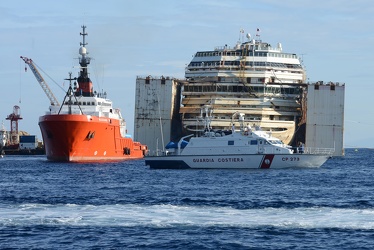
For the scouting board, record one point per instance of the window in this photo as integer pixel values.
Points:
(253, 142)
(230, 143)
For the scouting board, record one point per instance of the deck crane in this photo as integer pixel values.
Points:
(40, 79)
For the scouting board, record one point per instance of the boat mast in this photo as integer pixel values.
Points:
(70, 94)
(85, 86)
(84, 60)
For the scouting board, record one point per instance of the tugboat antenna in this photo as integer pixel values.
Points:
(70, 79)
(84, 34)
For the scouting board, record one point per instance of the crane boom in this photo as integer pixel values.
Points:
(40, 79)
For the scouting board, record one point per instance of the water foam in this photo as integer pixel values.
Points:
(170, 215)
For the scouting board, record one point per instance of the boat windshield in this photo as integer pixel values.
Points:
(275, 142)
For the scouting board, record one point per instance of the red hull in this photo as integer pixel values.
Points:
(84, 138)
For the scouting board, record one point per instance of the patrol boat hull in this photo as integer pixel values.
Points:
(236, 161)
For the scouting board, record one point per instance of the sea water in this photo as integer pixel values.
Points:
(126, 205)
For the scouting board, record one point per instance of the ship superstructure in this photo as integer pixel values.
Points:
(254, 78)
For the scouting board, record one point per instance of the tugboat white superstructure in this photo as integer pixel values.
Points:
(247, 148)
(259, 80)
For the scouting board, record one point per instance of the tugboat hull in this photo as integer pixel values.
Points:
(76, 138)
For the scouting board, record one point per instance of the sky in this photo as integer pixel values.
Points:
(126, 39)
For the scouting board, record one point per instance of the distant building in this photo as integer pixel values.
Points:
(28, 142)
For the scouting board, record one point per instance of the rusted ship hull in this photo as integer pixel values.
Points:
(86, 138)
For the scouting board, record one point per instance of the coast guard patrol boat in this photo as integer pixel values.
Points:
(244, 148)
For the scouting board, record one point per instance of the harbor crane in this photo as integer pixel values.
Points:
(41, 81)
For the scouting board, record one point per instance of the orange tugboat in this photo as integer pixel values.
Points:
(85, 127)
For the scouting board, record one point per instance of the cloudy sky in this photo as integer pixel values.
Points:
(127, 39)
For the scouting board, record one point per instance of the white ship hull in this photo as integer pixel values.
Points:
(237, 161)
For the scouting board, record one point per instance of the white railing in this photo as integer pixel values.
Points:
(323, 151)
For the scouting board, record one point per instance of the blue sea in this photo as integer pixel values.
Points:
(126, 205)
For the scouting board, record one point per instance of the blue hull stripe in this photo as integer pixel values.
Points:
(161, 164)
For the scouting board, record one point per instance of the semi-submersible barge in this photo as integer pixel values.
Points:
(262, 82)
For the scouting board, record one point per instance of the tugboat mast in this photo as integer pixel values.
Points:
(84, 82)
(84, 60)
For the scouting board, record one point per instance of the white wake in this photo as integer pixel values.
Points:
(169, 216)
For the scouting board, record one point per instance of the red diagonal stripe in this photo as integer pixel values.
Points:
(266, 161)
